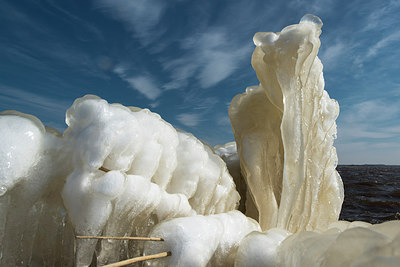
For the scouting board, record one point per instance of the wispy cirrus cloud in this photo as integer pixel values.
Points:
(381, 44)
(357, 131)
(14, 97)
(315, 6)
(45, 107)
(223, 120)
(189, 119)
(366, 133)
(379, 23)
(372, 111)
(144, 83)
(332, 54)
(383, 15)
(210, 57)
(140, 16)
(370, 120)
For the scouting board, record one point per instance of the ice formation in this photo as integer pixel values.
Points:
(228, 153)
(123, 171)
(284, 129)
(342, 244)
(33, 225)
(155, 173)
(201, 240)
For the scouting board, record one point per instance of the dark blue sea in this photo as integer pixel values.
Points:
(372, 193)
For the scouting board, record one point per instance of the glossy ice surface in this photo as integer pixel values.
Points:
(284, 129)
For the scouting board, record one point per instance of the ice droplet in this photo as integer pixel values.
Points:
(313, 19)
(3, 190)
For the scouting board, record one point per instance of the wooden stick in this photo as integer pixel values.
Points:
(121, 238)
(137, 259)
(104, 169)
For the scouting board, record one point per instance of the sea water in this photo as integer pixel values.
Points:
(372, 193)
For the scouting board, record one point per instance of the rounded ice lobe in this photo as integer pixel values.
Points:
(265, 38)
(309, 18)
(201, 240)
(22, 137)
(110, 184)
(260, 249)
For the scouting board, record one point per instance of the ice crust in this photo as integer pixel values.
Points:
(123, 171)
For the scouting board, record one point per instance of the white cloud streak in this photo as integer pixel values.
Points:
(372, 111)
(210, 58)
(370, 120)
(223, 120)
(189, 119)
(144, 84)
(384, 15)
(315, 6)
(332, 54)
(140, 16)
(51, 111)
(15, 97)
(381, 44)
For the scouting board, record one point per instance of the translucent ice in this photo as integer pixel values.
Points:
(228, 153)
(284, 129)
(22, 143)
(34, 227)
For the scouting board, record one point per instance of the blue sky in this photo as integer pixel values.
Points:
(186, 60)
